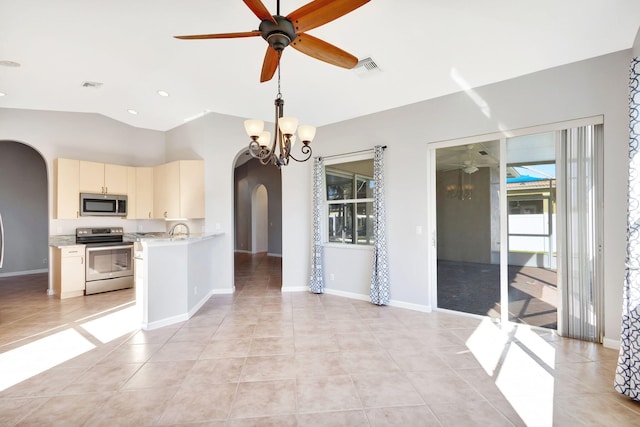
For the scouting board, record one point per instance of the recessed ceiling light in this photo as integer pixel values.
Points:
(2, 94)
(93, 85)
(163, 93)
(5, 63)
(134, 112)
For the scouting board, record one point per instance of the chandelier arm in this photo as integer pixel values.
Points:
(306, 149)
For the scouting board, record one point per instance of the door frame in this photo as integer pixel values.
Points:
(432, 247)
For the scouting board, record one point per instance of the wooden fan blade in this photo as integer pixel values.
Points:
(220, 36)
(319, 12)
(260, 10)
(323, 51)
(269, 65)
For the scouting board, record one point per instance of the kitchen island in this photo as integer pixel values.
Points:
(175, 276)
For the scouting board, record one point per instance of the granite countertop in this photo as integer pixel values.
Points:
(63, 240)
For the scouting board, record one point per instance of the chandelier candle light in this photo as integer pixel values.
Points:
(279, 152)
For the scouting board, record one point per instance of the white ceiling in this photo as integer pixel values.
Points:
(424, 49)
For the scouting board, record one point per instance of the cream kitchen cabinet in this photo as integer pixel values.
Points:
(140, 192)
(69, 271)
(66, 178)
(131, 193)
(178, 189)
(102, 178)
(144, 193)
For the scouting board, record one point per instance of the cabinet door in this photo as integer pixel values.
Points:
(132, 213)
(192, 189)
(144, 193)
(91, 177)
(72, 274)
(166, 190)
(66, 184)
(115, 179)
(69, 271)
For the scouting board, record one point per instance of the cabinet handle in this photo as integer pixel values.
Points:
(106, 190)
(165, 214)
(81, 260)
(149, 214)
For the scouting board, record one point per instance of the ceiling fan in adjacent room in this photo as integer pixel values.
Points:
(282, 31)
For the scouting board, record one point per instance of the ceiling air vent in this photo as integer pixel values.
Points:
(366, 67)
(93, 85)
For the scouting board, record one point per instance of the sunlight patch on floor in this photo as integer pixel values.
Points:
(515, 356)
(34, 358)
(114, 325)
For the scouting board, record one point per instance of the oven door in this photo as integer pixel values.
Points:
(109, 262)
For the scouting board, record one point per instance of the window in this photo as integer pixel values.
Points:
(350, 202)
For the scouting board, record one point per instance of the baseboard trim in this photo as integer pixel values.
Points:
(351, 295)
(612, 344)
(411, 306)
(24, 273)
(165, 322)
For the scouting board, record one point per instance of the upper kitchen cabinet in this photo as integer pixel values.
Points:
(102, 178)
(178, 189)
(143, 193)
(66, 175)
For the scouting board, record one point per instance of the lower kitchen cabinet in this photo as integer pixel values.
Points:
(69, 265)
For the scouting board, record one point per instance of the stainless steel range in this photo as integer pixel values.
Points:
(109, 259)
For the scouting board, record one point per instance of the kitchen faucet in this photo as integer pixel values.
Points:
(173, 229)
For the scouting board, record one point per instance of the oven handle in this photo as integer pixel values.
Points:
(102, 248)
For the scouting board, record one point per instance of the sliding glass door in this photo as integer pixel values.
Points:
(516, 230)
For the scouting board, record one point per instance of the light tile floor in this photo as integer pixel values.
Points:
(264, 358)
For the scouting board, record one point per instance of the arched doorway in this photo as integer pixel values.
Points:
(257, 223)
(24, 210)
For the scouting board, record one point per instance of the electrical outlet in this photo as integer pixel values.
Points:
(45, 260)
(195, 290)
(332, 277)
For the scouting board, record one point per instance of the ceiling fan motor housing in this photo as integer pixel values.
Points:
(278, 35)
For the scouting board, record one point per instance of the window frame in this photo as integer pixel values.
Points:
(329, 168)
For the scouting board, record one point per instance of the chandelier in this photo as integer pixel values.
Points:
(278, 152)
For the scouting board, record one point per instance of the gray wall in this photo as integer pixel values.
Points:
(247, 177)
(464, 226)
(23, 206)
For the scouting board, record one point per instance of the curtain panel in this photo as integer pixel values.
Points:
(316, 284)
(380, 290)
(627, 379)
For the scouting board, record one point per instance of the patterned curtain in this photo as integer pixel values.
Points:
(380, 292)
(316, 284)
(627, 380)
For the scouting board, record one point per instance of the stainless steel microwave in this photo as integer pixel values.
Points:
(103, 204)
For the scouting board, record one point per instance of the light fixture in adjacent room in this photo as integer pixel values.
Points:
(163, 93)
(2, 94)
(278, 152)
(134, 112)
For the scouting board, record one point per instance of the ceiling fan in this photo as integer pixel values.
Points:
(281, 31)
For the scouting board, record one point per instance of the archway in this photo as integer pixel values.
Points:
(24, 210)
